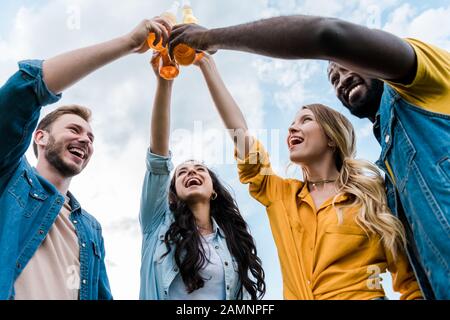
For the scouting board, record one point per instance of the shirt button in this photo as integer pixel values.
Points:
(83, 245)
(387, 138)
(226, 263)
(165, 292)
(176, 269)
(217, 247)
(41, 231)
(228, 287)
(309, 282)
(84, 281)
(18, 265)
(75, 221)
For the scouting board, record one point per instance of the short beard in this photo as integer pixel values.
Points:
(369, 106)
(53, 153)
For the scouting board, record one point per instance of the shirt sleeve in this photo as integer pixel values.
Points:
(155, 192)
(403, 278)
(430, 88)
(255, 170)
(21, 99)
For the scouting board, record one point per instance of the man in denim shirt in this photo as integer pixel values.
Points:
(50, 248)
(410, 109)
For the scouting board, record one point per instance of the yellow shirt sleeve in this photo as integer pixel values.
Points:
(264, 185)
(430, 88)
(403, 278)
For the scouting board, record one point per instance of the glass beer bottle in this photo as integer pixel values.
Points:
(183, 54)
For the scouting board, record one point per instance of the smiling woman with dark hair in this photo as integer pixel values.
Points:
(196, 245)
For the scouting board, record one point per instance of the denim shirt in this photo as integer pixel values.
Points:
(157, 272)
(415, 147)
(29, 204)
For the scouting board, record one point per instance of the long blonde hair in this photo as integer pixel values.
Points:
(360, 180)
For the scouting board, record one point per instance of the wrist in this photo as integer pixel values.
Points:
(206, 63)
(206, 40)
(128, 43)
(164, 84)
(209, 40)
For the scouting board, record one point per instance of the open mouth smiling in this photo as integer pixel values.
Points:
(352, 89)
(78, 152)
(193, 181)
(294, 141)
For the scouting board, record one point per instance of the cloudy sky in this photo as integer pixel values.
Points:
(269, 91)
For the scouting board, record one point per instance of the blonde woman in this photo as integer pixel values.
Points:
(333, 230)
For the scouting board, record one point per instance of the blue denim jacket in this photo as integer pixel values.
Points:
(157, 272)
(415, 143)
(29, 204)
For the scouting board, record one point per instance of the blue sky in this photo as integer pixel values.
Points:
(269, 92)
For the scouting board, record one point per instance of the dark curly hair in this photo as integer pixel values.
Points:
(185, 238)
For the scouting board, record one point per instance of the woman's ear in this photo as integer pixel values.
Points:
(331, 143)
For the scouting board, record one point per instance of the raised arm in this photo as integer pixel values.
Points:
(66, 69)
(372, 52)
(226, 106)
(160, 122)
(253, 161)
(155, 189)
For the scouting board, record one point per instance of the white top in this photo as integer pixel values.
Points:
(212, 273)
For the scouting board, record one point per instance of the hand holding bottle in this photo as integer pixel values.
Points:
(170, 17)
(192, 35)
(158, 26)
(182, 53)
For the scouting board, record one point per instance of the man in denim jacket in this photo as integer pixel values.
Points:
(410, 109)
(50, 248)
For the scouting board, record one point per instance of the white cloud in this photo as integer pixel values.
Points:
(289, 80)
(400, 19)
(430, 26)
(292, 98)
(365, 131)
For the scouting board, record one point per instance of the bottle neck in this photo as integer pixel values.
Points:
(188, 15)
(171, 17)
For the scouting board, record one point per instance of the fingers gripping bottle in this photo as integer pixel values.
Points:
(182, 53)
(171, 16)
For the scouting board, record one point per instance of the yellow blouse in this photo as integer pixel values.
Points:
(320, 258)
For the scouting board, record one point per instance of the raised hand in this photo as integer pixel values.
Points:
(191, 34)
(161, 27)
